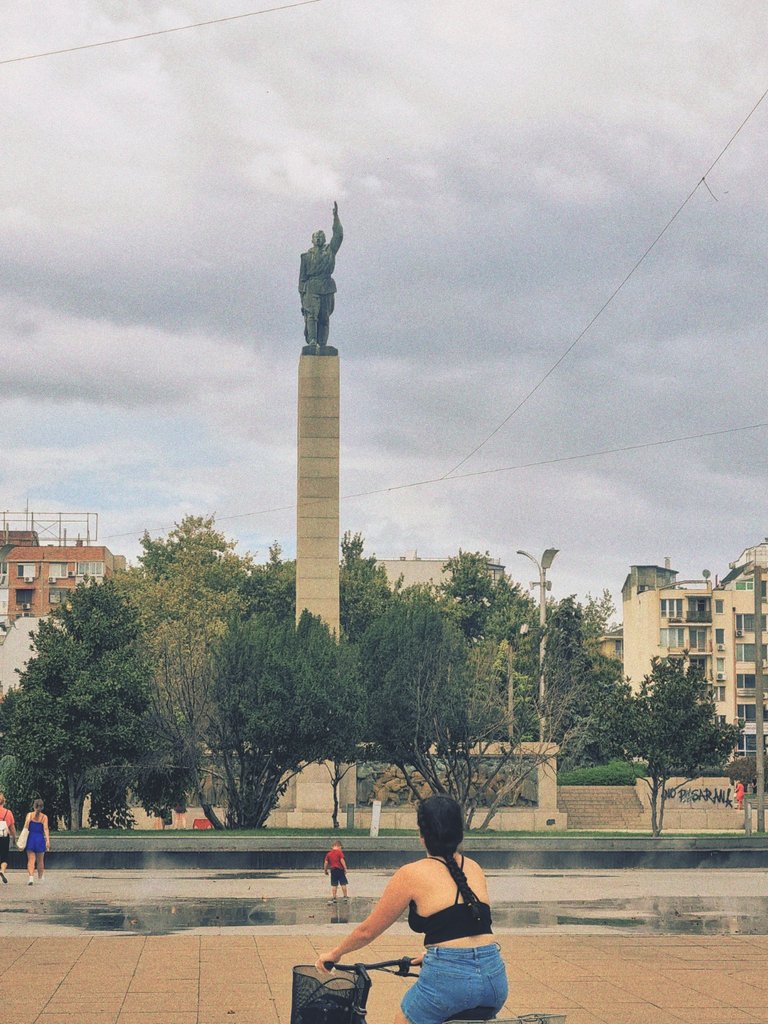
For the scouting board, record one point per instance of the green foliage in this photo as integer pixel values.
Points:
(82, 697)
(186, 588)
(671, 724)
(270, 589)
(271, 709)
(363, 588)
(584, 685)
(441, 710)
(614, 773)
(468, 592)
(110, 802)
(742, 769)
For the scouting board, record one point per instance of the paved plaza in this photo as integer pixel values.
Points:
(59, 970)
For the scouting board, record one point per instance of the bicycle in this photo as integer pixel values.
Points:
(343, 1000)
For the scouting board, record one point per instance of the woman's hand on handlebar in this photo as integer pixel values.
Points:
(323, 959)
(416, 961)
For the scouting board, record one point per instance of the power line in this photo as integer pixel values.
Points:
(612, 296)
(484, 472)
(157, 32)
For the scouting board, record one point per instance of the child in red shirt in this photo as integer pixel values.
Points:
(334, 861)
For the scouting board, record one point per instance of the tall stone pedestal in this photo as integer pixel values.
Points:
(317, 524)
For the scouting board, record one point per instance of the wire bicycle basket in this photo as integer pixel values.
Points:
(319, 999)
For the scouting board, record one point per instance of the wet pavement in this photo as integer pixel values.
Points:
(631, 902)
(201, 947)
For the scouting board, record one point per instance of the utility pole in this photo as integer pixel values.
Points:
(759, 693)
(546, 561)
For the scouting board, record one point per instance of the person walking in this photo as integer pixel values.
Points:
(38, 843)
(7, 833)
(337, 865)
(740, 795)
(447, 899)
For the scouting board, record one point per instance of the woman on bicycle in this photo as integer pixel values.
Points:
(447, 897)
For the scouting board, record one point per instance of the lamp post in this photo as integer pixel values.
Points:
(757, 571)
(546, 561)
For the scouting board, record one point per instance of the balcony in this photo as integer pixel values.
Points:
(702, 617)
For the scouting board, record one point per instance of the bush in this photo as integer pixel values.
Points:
(615, 773)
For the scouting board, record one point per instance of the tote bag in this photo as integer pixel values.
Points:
(21, 842)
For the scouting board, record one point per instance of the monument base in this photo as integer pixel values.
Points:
(319, 350)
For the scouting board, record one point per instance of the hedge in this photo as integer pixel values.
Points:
(615, 773)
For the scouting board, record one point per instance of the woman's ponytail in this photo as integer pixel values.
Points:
(441, 825)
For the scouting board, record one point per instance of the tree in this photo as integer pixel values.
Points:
(363, 588)
(671, 724)
(583, 683)
(80, 708)
(271, 588)
(441, 712)
(186, 588)
(468, 592)
(265, 725)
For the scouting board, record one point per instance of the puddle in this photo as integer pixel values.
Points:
(673, 915)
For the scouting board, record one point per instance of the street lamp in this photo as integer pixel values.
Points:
(544, 585)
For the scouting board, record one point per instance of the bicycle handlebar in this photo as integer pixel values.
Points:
(403, 966)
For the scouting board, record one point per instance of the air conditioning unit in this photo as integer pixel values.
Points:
(739, 632)
(26, 607)
(721, 677)
(29, 579)
(721, 647)
(70, 575)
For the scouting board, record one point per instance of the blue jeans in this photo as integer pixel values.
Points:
(453, 979)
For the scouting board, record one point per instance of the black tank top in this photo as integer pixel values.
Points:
(454, 922)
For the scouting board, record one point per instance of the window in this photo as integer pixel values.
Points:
(24, 596)
(25, 570)
(697, 663)
(56, 595)
(747, 743)
(718, 692)
(57, 570)
(719, 636)
(745, 584)
(720, 666)
(745, 680)
(719, 607)
(673, 636)
(697, 639)
(90, 568)
(671, 607)
(699, 609)
(746, 712)
(745, 652)
(745, 623)
(720, 719)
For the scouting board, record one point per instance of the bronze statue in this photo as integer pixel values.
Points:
(316, 286)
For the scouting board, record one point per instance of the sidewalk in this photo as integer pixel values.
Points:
(232, 979)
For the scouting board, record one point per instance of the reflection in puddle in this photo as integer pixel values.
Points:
(665, 915)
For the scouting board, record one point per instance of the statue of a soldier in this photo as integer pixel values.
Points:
(316, 286)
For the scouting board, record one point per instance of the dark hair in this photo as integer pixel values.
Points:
(441, 824)
(38, 806)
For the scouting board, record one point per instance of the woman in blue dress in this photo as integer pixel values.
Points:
(38, 842)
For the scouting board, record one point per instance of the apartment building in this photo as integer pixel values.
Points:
(39, 577)
(710, 623)
(412, 569)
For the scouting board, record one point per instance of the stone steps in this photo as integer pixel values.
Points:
(596, 807)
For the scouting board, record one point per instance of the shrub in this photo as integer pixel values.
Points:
(615, 773)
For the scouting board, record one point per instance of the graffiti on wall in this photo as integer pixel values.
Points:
(717, 796)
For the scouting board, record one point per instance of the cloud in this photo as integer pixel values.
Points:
(499, 172)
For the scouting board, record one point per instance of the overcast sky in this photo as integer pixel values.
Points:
(500, 167)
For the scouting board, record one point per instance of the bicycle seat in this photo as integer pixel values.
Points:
(476, 1013)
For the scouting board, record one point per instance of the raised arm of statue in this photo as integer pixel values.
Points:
(338, 232)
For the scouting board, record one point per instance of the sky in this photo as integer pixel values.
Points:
(554, 245)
